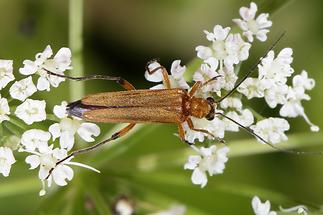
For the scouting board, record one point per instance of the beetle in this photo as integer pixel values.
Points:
(133, 106)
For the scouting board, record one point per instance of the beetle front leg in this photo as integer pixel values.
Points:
(164, 72)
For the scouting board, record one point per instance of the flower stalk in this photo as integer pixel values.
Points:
(76, 45)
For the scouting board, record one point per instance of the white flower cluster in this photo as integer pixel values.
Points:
(222, 59)
(37, 143)
(211, 160)
(260, 208)
(271, 84)
(44, 156)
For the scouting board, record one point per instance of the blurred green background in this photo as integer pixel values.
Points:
(147, 166)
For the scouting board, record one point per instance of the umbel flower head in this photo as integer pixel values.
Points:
(68, 127)
(59, 64)
(211, 160)
(252, 26)
(45, 157)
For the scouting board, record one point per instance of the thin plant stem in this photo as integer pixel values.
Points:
(76, 90)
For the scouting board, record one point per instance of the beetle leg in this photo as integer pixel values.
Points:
(191, 126)
(164, 72)
(197, 85)
(115, 136)
(182, 133)
(124, 83)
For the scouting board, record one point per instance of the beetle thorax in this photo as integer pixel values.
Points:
(199, 107)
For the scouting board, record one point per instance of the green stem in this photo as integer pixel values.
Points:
(76, 45)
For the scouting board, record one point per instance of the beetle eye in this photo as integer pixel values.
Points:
(210, 100)
(211, 114)
(210, 118)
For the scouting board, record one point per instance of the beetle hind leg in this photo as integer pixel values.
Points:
(115, 136)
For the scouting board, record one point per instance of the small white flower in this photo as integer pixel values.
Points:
(251, 88)
(204, 74)
(244, 117)
(176, 78)
(174, 210)
(4, 109)
(276, 95)
(303, 81)
(229, 78)
(177, 75)
(6, 73)
(293, 107)
(271, 129)
(31, 111)
(22, 89)
(276, 70)
(239, 47)
(46, 158)
(272, 78)
(68, 127)
(253, 26)
(260, 208)
(227, 49)
(231, 102)
(229, 125)
(211, 160)
(35, 138)
(59, 64)
(6, 160)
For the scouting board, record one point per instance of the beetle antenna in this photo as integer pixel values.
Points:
(266, 142)
(84, 78)
(253, 68)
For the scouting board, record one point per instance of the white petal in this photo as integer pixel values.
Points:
(66, 140)
(83, 165)
(29, 68)
(33, 161)
(60, 110)
(87, 130)
(63, 59)
(55, 130)
(62, 173)
(43, 84)
(192, 162)
(199, 177)
(203, 52)
(157, 76)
